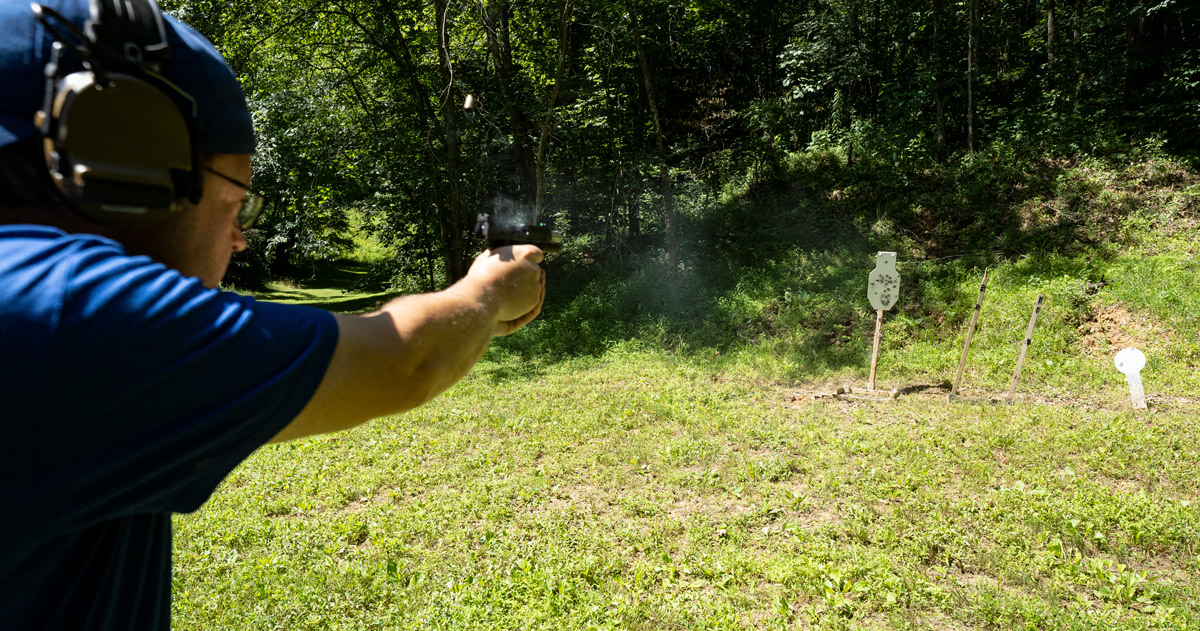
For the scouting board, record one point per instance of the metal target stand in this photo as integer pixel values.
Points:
(883, 289)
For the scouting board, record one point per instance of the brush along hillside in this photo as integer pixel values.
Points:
(647, 455)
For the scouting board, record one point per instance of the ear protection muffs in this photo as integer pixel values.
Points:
(117, 135)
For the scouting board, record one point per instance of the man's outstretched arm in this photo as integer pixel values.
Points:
(415, 347)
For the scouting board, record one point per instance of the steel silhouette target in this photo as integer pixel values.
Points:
(1131, 361)
(883, 287)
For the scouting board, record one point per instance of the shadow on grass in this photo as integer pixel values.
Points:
(511, 369)
(353, 304)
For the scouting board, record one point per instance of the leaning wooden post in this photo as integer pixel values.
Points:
(875, 348)
(970, 334)
(1012, 387)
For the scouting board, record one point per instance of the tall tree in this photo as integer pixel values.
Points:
(938, 76)
(664, 168)
(454, 222)
(972, 68)
(548, 123)
(1050, 34)
(497, 16)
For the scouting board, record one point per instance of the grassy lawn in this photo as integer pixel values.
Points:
(647, 490)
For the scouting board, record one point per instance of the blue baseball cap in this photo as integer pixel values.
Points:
(223, 126)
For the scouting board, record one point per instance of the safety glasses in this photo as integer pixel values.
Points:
(252, 206)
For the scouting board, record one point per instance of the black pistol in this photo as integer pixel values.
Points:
(499, 233)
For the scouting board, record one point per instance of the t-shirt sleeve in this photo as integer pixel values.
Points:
(168, 385)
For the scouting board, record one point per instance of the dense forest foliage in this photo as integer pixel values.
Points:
(636, 125)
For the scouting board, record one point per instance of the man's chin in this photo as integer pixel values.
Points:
(212, 279)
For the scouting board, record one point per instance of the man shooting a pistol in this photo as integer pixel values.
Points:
(132, 384)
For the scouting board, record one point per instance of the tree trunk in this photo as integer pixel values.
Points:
(496, 23)
(939, 90)
(1141, 68)
(615, 158)
(882, 66)
(619, 196)
(664, 170)
(972, 68)
(451, 224)
(548, 123)
(453, 216)
(1050, 35)
(1077, 51)
(635, 224)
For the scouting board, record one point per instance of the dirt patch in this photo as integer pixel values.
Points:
(1151, 484)
(706, 505)
(818, 518)
(974, 579)
(1113, 327)
(1164, 568)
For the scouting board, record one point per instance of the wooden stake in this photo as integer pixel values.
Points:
(1012, 387)
(970, 334)
(875, 348)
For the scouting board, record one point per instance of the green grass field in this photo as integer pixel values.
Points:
(684, 477)
(649, 492)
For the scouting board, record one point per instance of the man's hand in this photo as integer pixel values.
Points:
(511, 279)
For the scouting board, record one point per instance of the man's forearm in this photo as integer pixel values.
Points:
(416, 347)
(439, 337)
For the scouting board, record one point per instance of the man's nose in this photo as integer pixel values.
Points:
(239, 240)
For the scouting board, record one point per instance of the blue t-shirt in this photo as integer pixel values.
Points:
(127, 392)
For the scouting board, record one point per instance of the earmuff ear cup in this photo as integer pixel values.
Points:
(121, 150)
